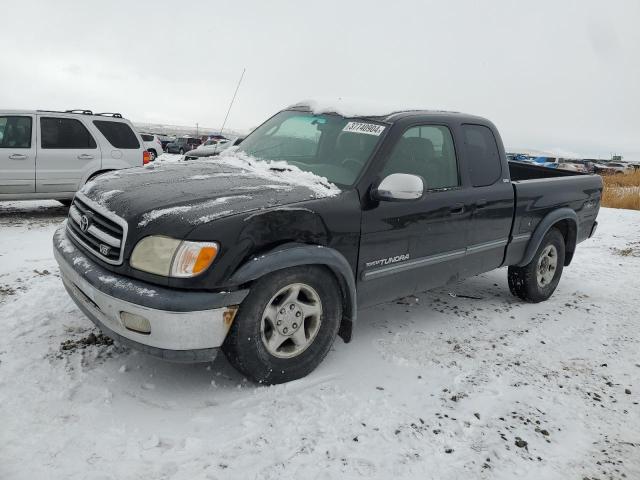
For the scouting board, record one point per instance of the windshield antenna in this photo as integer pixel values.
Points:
(232, 100)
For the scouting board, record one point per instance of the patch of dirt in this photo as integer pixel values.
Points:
(633, 250)
(71, 345)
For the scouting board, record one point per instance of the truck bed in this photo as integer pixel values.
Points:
(528, 171)
(540, 190)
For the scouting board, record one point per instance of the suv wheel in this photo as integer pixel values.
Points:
(154, 155)
(536, 281)
(286, 325)
(181, 151)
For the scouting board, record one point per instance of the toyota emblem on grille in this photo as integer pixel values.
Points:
(84, 223)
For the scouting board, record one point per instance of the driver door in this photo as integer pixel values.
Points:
(414, 245)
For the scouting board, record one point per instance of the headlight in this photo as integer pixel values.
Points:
(173, 258)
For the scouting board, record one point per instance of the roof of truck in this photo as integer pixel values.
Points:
(375, 111)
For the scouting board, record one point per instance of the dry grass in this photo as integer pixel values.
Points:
(622, 191)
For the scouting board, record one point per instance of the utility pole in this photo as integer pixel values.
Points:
(196, 129)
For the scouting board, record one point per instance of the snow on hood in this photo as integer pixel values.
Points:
(200, 191)
(278, 171)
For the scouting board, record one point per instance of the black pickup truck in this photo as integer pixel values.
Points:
(268, 250)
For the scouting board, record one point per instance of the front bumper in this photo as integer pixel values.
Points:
(187, 326)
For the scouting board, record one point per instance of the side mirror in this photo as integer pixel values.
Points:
(398, 187)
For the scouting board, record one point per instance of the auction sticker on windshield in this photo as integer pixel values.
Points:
(366, 128)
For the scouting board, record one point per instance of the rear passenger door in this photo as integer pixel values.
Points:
(493, 200)
(17, 154)
(67, 152)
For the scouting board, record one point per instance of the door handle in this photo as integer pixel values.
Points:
(457, 209)
(17, 156)
(481, 203)
(85, 156)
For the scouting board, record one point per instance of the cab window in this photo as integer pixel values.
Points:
(485, 166)
(427, 151)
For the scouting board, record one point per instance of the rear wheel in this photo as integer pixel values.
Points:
(536, 281)
(181, 151)
(154, 155)
(286, 325)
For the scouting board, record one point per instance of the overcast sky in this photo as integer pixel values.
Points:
(550, 74)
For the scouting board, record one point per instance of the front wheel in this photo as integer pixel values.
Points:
(286, 325)
(536, 281)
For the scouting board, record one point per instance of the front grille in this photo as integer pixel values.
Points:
(100, 232)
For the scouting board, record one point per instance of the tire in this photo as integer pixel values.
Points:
(247, 344)
(154, 155)
(66, 202)
(536, 281)
(181, 151)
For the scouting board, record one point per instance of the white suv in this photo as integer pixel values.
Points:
(153, 144)
(45, 154)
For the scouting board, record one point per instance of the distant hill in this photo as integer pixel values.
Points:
(180, 130)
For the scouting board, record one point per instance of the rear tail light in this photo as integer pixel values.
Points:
(146, 157)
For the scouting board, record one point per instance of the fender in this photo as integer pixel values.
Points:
(298, 254)
(544, 226)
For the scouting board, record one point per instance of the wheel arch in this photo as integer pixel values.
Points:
(297, 254)
(565, 220)
(93, 175)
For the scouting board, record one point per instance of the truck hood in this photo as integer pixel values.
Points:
(173, 198)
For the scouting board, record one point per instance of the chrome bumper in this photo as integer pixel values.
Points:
(174, 335)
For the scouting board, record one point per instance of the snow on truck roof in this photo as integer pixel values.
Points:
(363, 108)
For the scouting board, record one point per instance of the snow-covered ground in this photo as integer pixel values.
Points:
(457, 383)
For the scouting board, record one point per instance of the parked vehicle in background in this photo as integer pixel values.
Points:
(182, 145)
(270, 262)
(164, 140)
(210, 148)
(153, 144)
(49, 154)
(613, 168)
(572, 166)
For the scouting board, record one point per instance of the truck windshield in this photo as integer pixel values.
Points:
(328, 145)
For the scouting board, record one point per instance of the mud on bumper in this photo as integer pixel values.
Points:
(183, 326)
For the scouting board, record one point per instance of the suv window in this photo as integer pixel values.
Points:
(15, 132)
(485, 166)
(118, 134)
(427, 151)
(146, 138)
(64, 133)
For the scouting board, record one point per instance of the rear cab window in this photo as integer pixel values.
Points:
(484, 162)
(64, 133)
(118, 134)
(15, 132)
